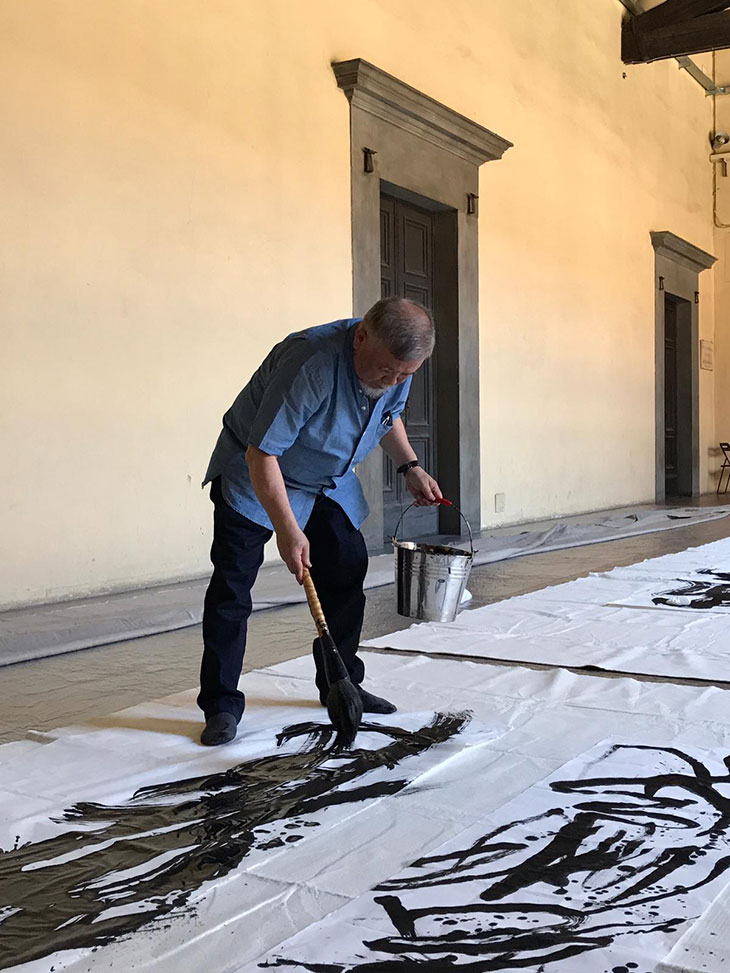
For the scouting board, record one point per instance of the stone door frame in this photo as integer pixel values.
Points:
(678, 265)
(424, 152)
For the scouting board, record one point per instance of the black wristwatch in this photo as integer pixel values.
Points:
(407, 466)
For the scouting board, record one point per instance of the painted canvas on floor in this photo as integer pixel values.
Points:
(592, 622)
(707, 590)
(133, 870)
(599, 868)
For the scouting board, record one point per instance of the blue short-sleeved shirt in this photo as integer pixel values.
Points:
(304, 405)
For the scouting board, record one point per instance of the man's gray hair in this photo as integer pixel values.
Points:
(405, 328)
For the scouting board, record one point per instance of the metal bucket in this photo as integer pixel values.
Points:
(431, 578)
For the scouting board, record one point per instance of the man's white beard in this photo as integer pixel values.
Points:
(372, 393)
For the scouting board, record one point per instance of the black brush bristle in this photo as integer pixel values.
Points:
(344, 704)
(344, 707)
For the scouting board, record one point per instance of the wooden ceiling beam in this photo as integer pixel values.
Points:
(710, 32)
(677, 11)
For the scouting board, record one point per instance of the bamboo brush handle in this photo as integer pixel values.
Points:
(314, 605)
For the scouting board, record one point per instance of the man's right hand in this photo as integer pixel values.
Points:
(294, 549)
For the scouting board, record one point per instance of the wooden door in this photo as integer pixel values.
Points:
(670, 399)
(406, 248)
(679, 396)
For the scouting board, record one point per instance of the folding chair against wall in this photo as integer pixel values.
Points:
(725, 468)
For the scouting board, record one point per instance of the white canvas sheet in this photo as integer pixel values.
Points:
(606, 621)
(594, 868)
(45, 630)
(525, 725)
(706, 944)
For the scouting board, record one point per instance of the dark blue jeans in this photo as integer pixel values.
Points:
(339, 565)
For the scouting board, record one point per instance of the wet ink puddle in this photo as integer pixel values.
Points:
(133, 864)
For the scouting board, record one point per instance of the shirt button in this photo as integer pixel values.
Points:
(363, 407)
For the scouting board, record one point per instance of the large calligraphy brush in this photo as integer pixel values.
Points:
(344, 705)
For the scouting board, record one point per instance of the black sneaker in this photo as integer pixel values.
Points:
(370, 703)
(219, 728)
(375, 704)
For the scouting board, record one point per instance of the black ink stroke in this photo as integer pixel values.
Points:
(68, 891)
(698, 594)
(619, 856)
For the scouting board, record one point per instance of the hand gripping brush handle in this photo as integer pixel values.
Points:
(344, 705)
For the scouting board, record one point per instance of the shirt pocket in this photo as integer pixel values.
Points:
(384, 426)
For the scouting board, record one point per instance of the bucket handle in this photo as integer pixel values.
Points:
(468, 526)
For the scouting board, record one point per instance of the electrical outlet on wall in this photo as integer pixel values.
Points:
(499, 503)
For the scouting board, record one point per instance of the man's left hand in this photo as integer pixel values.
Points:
(424, 489)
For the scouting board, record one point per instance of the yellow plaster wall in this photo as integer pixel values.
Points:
(568, 271)
(176, 199)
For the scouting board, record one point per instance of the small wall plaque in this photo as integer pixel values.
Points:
(706, 355)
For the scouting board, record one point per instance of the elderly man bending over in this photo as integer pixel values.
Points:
(285, 462)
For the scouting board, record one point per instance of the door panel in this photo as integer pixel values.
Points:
(416, 239)
(670, 398)
(386, 247)
(678, 397)
(406, 248)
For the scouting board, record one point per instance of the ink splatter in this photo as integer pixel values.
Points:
(635, 847)
(124, 867)
(698, 594)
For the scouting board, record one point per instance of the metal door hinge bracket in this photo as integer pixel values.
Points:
(368, 159)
